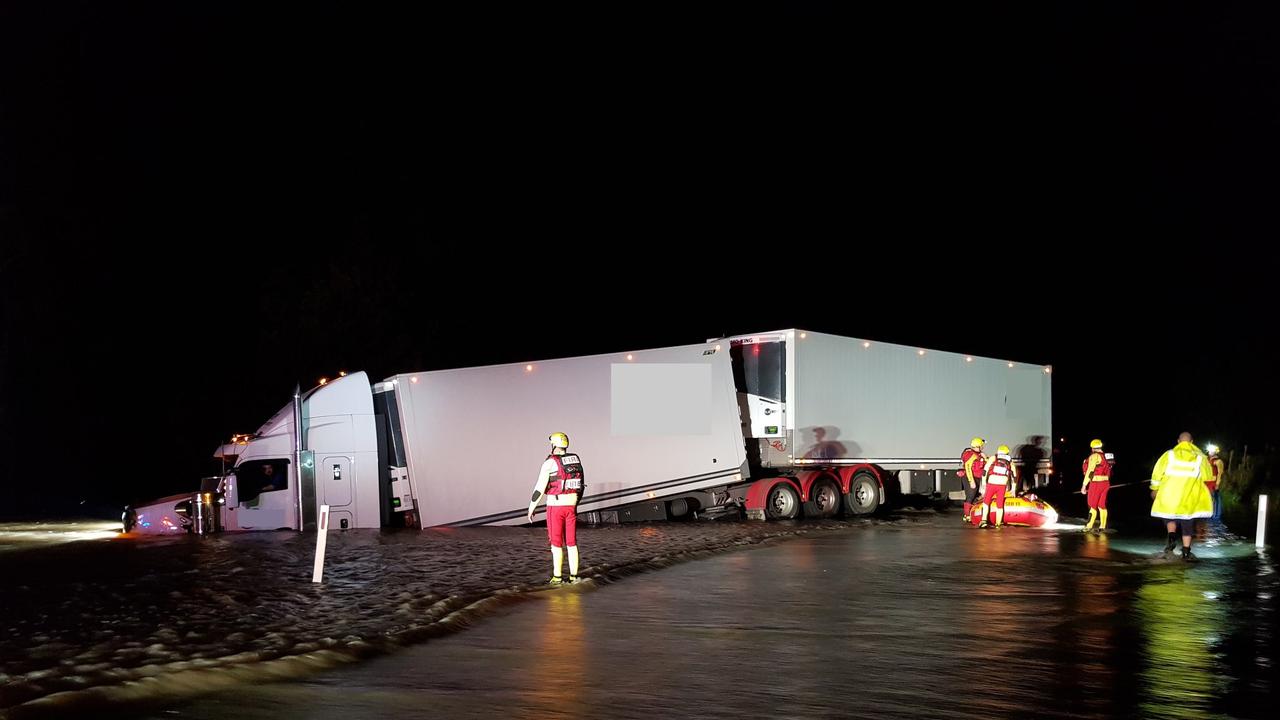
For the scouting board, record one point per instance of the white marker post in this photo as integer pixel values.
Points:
(321, 532)
(1262, 521)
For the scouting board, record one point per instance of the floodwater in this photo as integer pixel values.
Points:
(908, 617)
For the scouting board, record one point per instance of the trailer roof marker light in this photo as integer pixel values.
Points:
(1048, 369)
(1010, 364)
(342, 373)
(804, 335)
(414, 379)
(866, 344)
(717, 348)
(920, 353)
(528, 368)
(968, 358)
(324, 381)
(629, 357)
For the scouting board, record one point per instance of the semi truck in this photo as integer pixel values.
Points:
(775, 425)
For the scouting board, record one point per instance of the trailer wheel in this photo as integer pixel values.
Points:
(782, 503)
(864, 495)
(682, 508)
(824, 499)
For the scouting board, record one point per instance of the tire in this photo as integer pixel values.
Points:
(782, 502)
(864, 495)
(824, 499)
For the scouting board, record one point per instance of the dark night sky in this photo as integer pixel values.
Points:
(202, 203)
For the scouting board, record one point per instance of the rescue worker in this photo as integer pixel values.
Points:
(562, 480)
(1097, 481)
(1001, 474)
(1215, 485)
(973, 462)
(1179, 494)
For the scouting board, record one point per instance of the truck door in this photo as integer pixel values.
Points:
(759, 373)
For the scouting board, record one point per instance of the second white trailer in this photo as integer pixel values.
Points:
(648, 424)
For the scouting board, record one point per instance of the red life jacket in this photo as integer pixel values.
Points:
(1001, 472)
(1103, 469)
(569, 476)
(978, 463)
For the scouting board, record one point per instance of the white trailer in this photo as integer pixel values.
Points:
(850, 421)
(647, 424)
